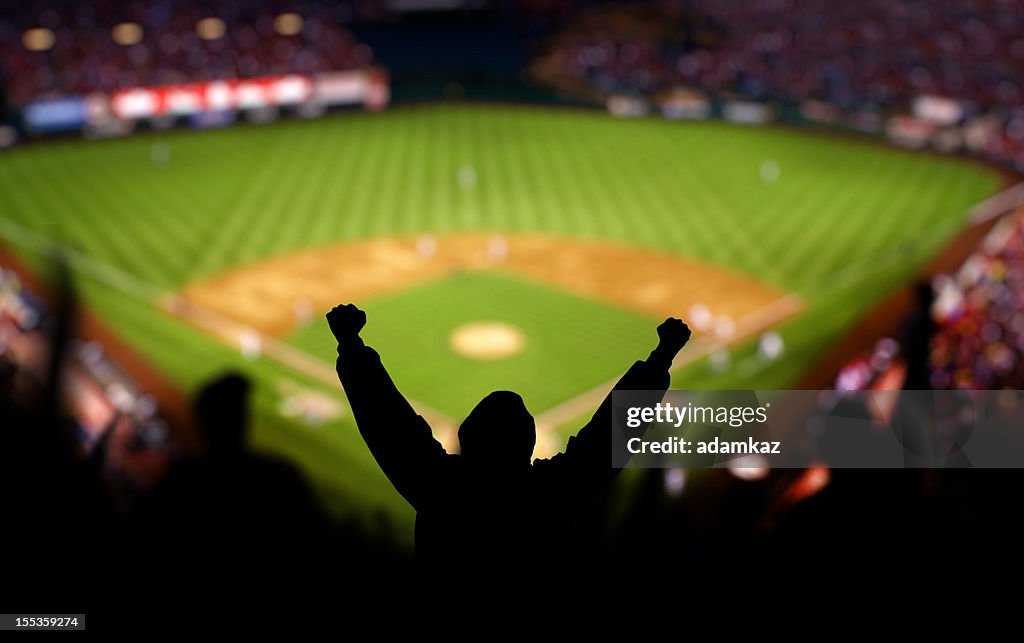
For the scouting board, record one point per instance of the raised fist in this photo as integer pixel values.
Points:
(346, 321)
(673, 335)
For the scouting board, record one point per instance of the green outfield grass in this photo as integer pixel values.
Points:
(843, 224)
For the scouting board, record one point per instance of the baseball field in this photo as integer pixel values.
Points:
(493, 247)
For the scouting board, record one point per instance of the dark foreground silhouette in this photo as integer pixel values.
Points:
(238, 533)
(249, 508)
(489, 505)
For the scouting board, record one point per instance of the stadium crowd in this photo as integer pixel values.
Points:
(965, 332)
(853, 55)
(103, 406)
(979, 340)
(54, 48)
(864, 58)
(877, 52)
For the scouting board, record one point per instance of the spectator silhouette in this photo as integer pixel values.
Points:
(490, 504)
(232, 508)
(918, 332)
(54, 492)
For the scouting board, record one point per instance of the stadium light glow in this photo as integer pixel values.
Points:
(126, 33)
(288, 24)
(38, 39)
(210, 28)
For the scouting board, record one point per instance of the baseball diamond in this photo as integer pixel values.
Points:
(557, 237)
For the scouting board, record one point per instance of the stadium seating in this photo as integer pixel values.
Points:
(870, 56)
(875, 52)
(98, 396)
(51, 49)
(980, 340)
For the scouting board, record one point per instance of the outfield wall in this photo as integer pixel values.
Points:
(943, 125)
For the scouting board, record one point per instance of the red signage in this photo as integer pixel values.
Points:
(219, 95)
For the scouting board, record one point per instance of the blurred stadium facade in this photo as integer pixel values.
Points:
(100, 68)
(939, 77)
(944, 76)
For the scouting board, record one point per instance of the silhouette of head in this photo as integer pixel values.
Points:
(222, 414)
(499, 431)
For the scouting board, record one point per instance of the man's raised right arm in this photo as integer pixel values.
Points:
(589, 451)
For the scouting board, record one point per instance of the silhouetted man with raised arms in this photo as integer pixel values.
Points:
(490, 504)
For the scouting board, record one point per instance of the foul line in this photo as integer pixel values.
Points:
(227, 330)
(231, 332)
(750, 324)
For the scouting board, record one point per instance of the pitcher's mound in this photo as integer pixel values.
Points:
(487, 340)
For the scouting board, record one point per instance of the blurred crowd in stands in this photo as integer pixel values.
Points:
(965, 330)
(103, 406)
(979, 338)
(620, 49)
(875, 53)
(853, 55)
(53, 48)
(862, 57)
